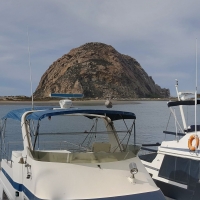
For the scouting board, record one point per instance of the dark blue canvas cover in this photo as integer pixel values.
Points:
(48, 112)
(17, 114)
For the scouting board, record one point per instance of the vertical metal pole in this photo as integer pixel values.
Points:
(1, 138)
(134, 134)
(181, 107)
(176, 126)
(29, 55)
(196, 95)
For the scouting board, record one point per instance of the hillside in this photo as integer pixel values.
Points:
(97, 70)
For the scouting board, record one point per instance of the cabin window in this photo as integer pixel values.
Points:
(194, 174)
(167, 168)
(181, 170)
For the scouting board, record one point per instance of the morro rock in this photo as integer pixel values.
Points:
(98, 70)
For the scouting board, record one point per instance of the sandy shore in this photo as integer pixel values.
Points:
(75, 103)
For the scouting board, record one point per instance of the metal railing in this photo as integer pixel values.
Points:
(83, 144)
(6, 150)
(61, 145)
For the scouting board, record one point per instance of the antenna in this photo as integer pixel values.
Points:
(196, 94)
(181, 107)
(29, 55)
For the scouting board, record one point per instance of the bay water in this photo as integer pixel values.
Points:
(152, 118)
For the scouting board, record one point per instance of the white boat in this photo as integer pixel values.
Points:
(175, 166)
(103, 165)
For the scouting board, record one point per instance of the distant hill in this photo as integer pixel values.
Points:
(97, 70)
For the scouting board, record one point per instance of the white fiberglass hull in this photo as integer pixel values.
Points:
(78, 181)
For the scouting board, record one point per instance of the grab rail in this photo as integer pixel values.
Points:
(173, 133)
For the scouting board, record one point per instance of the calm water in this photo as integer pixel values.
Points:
(152, 119)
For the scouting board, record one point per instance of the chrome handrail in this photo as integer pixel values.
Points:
(60, 145)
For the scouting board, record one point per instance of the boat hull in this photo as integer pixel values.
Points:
(178, 193)
(111, 182)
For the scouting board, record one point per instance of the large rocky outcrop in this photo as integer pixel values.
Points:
(97, 70)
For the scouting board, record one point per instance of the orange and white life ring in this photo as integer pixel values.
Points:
(193, 147)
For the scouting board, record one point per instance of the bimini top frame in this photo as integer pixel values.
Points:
(43, 112)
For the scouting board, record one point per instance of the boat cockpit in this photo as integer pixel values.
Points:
(57, 139)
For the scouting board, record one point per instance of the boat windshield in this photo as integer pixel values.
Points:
(76, 134)
(79, 133)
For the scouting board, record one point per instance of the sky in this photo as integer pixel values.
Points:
(160, 35)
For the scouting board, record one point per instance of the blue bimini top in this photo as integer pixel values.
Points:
(17, 114)
(43, 112)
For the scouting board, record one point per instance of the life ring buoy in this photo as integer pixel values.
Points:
(190, 146)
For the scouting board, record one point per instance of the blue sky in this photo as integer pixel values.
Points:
(160, 35)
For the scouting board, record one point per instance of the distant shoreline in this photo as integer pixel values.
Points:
(80, 102)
